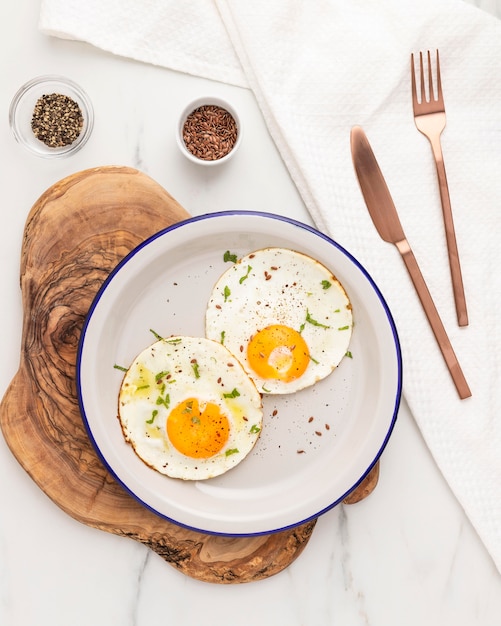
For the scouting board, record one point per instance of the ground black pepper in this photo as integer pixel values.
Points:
(210, 132)
(57, 120)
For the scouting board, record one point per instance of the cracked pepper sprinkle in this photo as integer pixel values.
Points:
(210, 132)
(57, 120)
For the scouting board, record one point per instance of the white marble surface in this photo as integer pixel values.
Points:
(406, 555)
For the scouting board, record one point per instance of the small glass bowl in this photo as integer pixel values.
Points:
(23, 105)
(195, 104)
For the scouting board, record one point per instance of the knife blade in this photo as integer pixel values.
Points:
(384, 215)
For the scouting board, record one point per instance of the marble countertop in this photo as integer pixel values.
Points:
(405, 555)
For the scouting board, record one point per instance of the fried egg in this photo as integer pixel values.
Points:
(284, 315)
(188, 408)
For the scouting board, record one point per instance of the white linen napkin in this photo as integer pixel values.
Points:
(317, 69)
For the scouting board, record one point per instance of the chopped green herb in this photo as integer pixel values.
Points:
(337, 311)
(195, 420)
(231, 451)
(154, 413)
(165, 400)
(326, 284)
(343, 328)
(314, 360)
(173, 341)
(189, 407)
(142, 387)
(229, 257)
(249, 268)
(349, 354)
(119, 367)
(255, 428)
(223, 333)
(314, 322)
(155, 334)
(160, 375)
(226, 292)
(234, 394)
(195, 370)
(265, 389)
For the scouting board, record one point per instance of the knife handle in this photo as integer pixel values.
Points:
(434, 319)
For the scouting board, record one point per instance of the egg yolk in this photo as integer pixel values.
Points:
(198, 430)
(278, 352)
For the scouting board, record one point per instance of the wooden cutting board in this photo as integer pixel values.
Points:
(76, 232)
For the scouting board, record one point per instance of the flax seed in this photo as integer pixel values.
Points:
(210, 132)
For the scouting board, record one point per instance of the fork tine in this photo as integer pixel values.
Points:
(430, 79)
(440, 96)
(413, 82)
(421, 78)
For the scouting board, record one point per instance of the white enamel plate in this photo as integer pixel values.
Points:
(300, 467)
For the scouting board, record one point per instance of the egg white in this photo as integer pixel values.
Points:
(281, 286)
(198, 368)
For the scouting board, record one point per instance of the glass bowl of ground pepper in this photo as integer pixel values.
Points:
(51, 116)
(209, 131)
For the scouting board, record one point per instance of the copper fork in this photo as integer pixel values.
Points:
(429, 116)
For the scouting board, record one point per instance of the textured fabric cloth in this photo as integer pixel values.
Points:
(318, 68)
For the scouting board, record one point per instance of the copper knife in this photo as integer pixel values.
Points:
(384, 215)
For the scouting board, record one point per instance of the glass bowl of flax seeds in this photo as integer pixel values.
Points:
(51, 116)
(209, 131)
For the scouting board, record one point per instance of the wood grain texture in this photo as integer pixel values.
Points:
(365, 488)
(74, 236)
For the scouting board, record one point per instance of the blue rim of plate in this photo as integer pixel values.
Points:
(215, 215)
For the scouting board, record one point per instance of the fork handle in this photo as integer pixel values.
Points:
(434, 319)
(450, 235)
